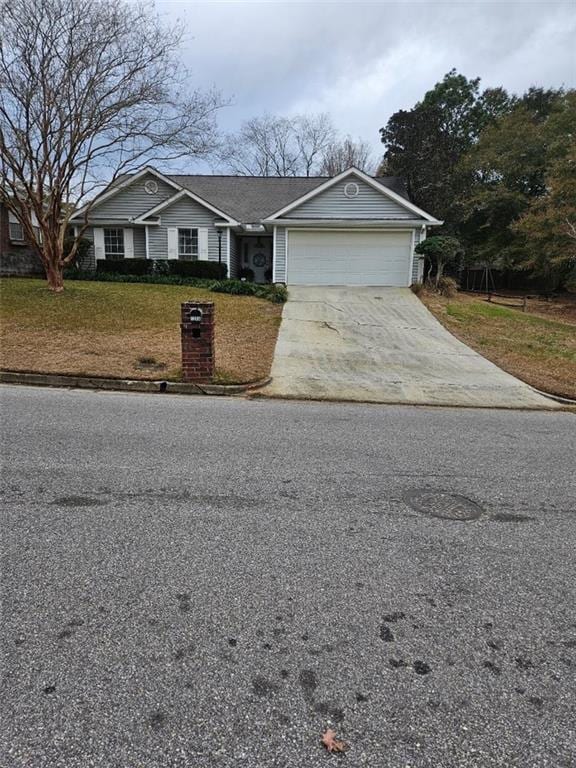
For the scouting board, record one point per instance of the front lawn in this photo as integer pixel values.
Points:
(535, 348)
(127, 330)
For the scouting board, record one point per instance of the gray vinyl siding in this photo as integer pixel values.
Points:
(133, 200)
(234, 256)
(89, 262)
(333, 204)
(418, 263)
(280, 255)
(184, 213)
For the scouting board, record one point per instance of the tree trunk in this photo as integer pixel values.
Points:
(52, 259)
(439, 271)
(55, 277)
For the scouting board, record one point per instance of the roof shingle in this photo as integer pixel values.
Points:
(252, 198)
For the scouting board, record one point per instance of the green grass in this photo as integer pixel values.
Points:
(106, 329)
(539, 350)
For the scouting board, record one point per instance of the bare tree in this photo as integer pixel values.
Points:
(341, 155)
(264, 146)
(314, 134)
(89, 89)
(278, 146)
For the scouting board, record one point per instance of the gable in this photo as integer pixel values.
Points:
(133, 200)
(185, 212)
(333, 203)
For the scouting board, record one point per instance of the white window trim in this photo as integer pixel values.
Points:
(15, 238)
(189, 256)
(114, 256)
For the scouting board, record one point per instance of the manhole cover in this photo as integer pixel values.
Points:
(448, 506)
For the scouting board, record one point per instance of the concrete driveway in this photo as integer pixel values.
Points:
(382, 345)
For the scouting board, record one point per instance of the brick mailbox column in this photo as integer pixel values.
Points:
(197, 334)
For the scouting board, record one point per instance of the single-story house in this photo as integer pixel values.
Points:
(351, 229)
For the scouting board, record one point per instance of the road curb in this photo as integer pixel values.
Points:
(127, 385)
(409, 403)
(557, 398)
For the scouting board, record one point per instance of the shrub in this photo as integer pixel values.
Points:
(208, 270)
(205, 270)
(447, 286)
(440, 251)
(125, 266)
(82, 248)
(274, 293)
(160, 267)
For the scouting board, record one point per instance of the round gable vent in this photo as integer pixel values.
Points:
(351, 189)
(151, 187)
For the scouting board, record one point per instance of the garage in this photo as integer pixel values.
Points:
(348, 257)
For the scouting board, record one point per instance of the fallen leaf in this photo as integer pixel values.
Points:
(331, 743)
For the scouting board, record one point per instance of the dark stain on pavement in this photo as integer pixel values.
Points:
(390, 618)
(522, 662)
(184, 602)
(491, 667)
(308, 682)
(333, 711)
(157, 720)
(397, 663)
(262, 687)
(78, 501)
(386, 633)
(421, 667)
(49, 689)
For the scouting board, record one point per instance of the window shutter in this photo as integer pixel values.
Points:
(203, 244)
(128, 243)
(172, 233)
(99, 243)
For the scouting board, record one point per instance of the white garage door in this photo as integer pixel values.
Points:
(348, 258)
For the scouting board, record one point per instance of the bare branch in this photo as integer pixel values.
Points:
(89, 89)
(341, 155)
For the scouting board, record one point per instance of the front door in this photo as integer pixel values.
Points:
(257, 257)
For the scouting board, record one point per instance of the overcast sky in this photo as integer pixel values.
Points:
(360, 61)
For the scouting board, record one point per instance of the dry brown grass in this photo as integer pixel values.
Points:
(127, 330)
(538, 346)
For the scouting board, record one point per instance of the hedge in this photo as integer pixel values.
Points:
(274, 293)
(209, 270)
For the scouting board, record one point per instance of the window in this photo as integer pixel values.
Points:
(16, 231)
(188, 244)
(114, 243)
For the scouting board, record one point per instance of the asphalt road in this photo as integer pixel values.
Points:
(213, 582)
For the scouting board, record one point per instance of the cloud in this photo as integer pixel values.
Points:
(363, 61)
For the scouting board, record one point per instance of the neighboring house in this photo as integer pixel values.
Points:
(351, 229)
(17, 256)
